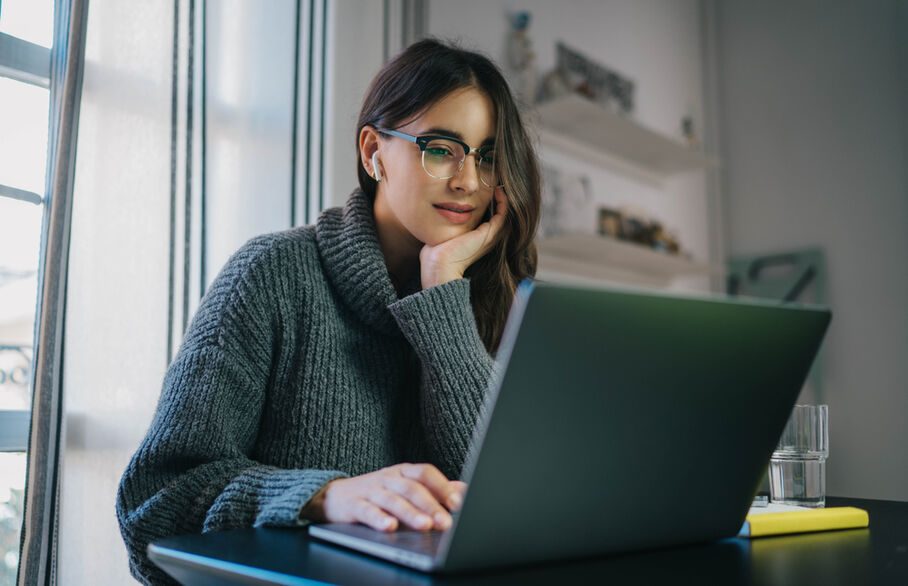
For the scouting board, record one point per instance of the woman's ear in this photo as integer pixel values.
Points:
(368, 151)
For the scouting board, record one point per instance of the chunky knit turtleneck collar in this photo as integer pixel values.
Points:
(351, 253)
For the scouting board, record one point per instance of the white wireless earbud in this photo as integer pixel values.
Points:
(376, 172)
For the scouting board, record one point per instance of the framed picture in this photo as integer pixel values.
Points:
(597, 82)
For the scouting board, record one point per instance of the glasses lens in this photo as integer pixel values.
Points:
(442, 158)
(488, 169)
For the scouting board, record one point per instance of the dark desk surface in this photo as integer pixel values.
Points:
(878, 555)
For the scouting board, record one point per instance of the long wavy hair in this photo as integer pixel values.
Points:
(408, 85)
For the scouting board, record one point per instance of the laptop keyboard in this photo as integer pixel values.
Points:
(419, 541)
(426, 543)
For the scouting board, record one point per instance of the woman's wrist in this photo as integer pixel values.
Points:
(439, 278)
(314, 510)
(435, 271)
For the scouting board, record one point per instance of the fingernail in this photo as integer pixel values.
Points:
(387, 522)
(423, 520)
(443, 521)
(455, 500)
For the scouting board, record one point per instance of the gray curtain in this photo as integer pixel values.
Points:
(38, 545)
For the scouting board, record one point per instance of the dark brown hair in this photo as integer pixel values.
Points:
(416, 79)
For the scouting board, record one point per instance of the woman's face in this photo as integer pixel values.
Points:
(410, 203)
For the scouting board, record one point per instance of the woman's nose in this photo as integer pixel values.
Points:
(467, 179)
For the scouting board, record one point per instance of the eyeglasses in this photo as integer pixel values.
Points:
(443, 156)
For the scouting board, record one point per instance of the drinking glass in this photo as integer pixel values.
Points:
(797, 469)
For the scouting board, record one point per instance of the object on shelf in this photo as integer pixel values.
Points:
(665, 241)
(521, 57)
(555, 85)
(565, 202)
(687, 130)
(634, 228)
(610, 223)
(579, 74)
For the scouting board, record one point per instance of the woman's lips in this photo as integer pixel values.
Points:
(456, 213)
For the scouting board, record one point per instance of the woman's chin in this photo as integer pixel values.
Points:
(440, 236)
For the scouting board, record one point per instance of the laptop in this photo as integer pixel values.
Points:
(618, 421)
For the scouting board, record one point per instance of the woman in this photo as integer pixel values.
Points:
(324, 359)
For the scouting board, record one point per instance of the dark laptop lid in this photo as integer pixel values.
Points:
(628, 420)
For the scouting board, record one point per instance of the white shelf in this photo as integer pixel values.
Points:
(590, 257)
(582, 127)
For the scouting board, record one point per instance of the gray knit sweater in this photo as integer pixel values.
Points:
(302, 365)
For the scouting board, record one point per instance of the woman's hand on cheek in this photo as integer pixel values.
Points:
(447, 261)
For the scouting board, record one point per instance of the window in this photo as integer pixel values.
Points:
(26, 30)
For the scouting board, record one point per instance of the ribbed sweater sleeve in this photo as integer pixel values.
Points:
(193, 471)
(455, 367)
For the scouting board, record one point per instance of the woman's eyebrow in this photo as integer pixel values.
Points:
(454, 134)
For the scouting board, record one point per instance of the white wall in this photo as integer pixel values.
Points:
(656, 43)
(815, 137)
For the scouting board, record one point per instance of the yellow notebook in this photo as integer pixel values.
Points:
(758, 525)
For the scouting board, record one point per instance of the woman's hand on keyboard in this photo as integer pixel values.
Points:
(417, 495)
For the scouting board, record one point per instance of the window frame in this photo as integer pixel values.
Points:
(25, 62)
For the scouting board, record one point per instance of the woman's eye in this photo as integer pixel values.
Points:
(438, 152)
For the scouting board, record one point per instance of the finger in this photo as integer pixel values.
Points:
(501, 202)
(498, 203)
(432, 478)
(419, 496)
(460, 486)
(402, 508)
(456, 498)
(494, 226)
(501, 209)
(371, 515)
